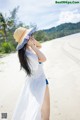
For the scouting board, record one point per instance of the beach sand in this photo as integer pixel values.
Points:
(62, 69)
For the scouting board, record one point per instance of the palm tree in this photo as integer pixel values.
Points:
(3, 27)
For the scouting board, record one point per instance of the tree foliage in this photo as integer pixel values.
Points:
(10, 23)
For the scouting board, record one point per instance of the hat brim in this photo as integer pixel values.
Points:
(25, 38)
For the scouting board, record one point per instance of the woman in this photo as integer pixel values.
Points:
(34, 99)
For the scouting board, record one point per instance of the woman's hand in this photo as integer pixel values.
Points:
(33, 40)
(30, 42)
(36, 43)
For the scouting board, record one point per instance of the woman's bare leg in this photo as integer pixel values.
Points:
(45, 110)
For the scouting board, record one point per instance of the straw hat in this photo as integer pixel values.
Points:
(22, 35)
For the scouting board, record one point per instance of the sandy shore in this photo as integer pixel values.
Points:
(62, 70)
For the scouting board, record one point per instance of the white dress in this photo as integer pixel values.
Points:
(28, 106)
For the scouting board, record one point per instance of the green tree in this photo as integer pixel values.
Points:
(41, 36)
(7, 27)
(3, 27)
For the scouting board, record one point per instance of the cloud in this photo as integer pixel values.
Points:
(29, 11)
(69, 16)
(44, 13)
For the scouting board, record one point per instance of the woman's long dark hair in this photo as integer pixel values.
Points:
(23, 59)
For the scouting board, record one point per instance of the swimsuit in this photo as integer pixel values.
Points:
(45, 79)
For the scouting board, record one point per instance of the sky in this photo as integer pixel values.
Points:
(44, 13)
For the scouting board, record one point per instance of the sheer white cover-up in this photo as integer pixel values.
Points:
(28, 105)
